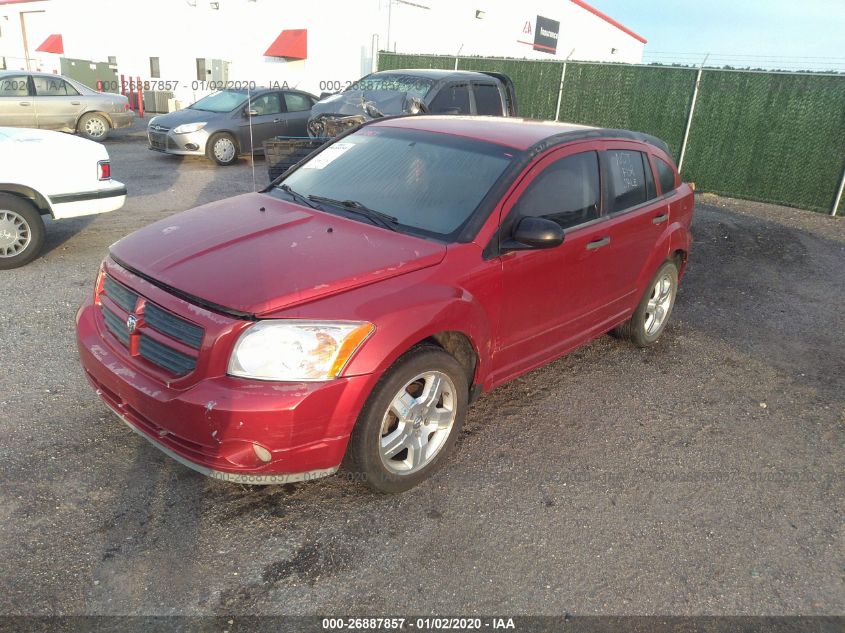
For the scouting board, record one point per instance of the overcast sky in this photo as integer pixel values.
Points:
(760, 28)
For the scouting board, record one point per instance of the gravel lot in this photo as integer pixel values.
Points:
(704, 476)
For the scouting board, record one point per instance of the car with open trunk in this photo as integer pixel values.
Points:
(351, 312)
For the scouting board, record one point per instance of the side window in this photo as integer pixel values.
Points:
(269, 103)
(488, 101)
(665, 174)
(296, 102)
(15, 86)
(567, 191)
(451, 100)
(53, 87)
(626, 178)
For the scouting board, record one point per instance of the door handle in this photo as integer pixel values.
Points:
(277, 120)
(660, 219)
(75, 102)
(604, 241)
(25, 103)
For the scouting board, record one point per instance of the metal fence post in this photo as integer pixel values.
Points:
(560, 92)
(691, 111)
(838, 194)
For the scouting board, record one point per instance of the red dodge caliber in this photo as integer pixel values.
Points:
(353, 310)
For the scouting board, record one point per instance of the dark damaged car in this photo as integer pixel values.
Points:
(417, 91)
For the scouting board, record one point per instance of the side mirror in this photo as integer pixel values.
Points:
(323, 95)
(250, 113)
(534, 233)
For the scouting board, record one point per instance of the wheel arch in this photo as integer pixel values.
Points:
(30, 194)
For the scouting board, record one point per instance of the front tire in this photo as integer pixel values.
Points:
(222, 149)
(652, 314)
(21, 232)
(94, 127)
(410, 422)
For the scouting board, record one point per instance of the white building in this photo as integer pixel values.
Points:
(316, 46)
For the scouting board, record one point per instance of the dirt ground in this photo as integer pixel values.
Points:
(703, 476)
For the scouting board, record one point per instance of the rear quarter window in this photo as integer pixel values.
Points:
(665, 174)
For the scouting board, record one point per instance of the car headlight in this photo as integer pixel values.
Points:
(294, 350)
(187, 128)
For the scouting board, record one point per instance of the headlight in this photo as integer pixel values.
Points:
(288, 349)
(187, 128)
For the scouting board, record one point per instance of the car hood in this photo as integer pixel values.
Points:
(388, 102)
(256, 254)
(187, 115)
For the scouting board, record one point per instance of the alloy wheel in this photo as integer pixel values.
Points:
(417, 423)
(659, 304)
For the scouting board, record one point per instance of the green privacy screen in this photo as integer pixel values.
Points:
(773, 137)
(652, 100)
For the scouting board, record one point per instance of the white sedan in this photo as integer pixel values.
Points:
(48, 173)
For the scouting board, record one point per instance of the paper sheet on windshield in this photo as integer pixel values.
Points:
(328, 155)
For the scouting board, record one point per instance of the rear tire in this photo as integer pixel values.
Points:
(222, 148)
(94, 127)
(649, 320)
(410, 422)
(21, 231)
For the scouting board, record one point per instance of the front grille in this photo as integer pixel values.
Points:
(116, 326)
(173, 326)
(151, 317)
(120, 294)
(163, 356)
(158, 141)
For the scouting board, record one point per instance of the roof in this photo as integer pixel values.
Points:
(609, 20)
(516, 133)
(511, 132)
(435, 74)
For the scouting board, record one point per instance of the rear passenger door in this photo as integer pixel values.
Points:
(17, 106)
(637, 217)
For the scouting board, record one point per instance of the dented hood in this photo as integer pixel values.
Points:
(257, 254)
(388, 102)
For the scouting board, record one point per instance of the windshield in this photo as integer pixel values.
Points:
(430, 183)
(414, 86)
(223, 101)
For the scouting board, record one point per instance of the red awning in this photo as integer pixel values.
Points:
(53, 44)
(292, 44)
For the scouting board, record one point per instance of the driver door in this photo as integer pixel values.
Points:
(267, 121)
(553, 298)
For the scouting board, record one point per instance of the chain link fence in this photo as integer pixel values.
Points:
(768, 136)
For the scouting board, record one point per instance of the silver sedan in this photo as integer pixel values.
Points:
(54, 102)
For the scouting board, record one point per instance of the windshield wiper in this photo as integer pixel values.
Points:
(376, 217)
(297, 196)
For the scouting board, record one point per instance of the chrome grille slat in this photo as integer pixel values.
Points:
(173, 326)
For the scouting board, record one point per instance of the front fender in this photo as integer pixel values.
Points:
(434, 309)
